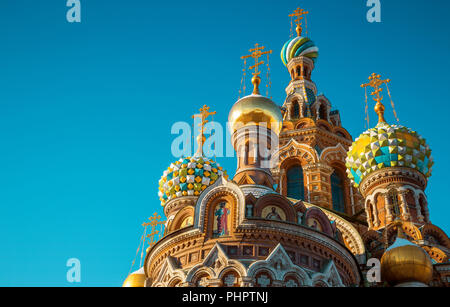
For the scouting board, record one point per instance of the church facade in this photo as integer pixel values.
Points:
(308, 206)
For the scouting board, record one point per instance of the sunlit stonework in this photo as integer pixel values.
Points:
(315, 214)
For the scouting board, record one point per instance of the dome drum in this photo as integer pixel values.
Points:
(384, 177)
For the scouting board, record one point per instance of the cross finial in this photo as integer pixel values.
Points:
(375, 82)
(152, 237)
(204, 114)
(298, 14)
(256, 53)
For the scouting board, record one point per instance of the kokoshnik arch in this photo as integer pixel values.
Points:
(315, 214)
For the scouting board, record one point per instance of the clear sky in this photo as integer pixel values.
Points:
(86, 109)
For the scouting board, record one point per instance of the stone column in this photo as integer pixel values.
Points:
(369, 216)
(282, 174)
(425, 209)
(352, 199)
(404, 205)
(299, 217)
(420, 217)
(375, 213)
(249, 211)
(388, 207)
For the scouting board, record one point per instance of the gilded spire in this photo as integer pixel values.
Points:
(256, 53)
(298, 13)
(375, 83)
(204, 113)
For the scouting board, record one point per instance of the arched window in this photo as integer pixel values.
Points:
(323, 112)
(337, 192)
(393, 200)
(295, 186)
(296, 110)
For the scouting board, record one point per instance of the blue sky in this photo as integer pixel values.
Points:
(86, 109)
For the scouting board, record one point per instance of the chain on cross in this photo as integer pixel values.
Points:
(298, 14)
(256, 53)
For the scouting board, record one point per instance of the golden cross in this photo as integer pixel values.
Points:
(256, 53)
(204, 113)
(375, 83)
(298, 13)
(155, 220)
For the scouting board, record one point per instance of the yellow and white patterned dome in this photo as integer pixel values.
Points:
(188, 177)
(387, 146)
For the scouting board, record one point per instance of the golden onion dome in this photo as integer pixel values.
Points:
(135, 279)
(255, 110)
(408, 263)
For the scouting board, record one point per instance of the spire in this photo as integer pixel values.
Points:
(375, 83)
(256, 53)
(298, 13)
(204, 113)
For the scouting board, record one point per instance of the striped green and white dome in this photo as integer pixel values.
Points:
(188, 177)
(387, 146)
(299, 46)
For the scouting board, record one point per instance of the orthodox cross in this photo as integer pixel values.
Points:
(154, 234)
(375, 83)
(204, 114)
(298, 14)
(256, 53)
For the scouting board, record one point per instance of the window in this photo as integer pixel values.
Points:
(323, 112)
(296, 110)
(337, 192)
(295, 186)
(393, 200)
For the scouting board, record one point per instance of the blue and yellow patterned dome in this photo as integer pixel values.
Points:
(188, 177)
(299, 46)
(387, 146)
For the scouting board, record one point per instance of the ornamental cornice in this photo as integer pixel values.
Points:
(300, 83)
(298, 231)
(169, 240)
(322, 166)
(178, 203)
(383, 176)
(315, 130)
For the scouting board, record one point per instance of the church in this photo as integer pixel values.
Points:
(308, 206)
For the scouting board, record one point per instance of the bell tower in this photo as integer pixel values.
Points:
(313, 143)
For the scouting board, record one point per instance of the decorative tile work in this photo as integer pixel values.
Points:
(387, 146)
(188, 177)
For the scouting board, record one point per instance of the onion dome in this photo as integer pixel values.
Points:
(387, 146)
(408, 263)
(255, 109)
(188, 177)
(297, 47)
(135, 279)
